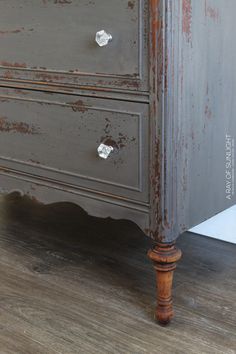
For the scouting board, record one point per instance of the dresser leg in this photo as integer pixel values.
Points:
(164, 257)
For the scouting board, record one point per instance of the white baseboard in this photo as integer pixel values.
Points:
(222, 226)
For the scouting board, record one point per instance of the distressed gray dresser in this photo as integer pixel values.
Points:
(125, 107)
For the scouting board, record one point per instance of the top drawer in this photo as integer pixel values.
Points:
(54, 41)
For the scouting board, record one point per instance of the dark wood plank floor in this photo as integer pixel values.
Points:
(70, 284)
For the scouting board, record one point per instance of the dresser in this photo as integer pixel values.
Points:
(126, 108)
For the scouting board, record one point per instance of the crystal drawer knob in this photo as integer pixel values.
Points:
(103, 38)
(104, 151)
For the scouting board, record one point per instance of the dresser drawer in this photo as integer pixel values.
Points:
(57, 137)
(54, 41)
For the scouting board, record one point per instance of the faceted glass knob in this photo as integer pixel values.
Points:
(104, 151)
(103, 38)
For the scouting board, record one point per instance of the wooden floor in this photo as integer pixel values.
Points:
(70, 284)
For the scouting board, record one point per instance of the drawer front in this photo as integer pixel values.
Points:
(57, 137)
(54, 41)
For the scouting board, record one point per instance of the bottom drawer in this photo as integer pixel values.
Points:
(57, 136)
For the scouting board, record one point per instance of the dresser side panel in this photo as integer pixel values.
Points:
(208, 109)
(193, 114)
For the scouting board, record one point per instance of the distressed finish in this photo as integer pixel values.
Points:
(66, 30)
(68, 131)
(161, 94)
(197, 113)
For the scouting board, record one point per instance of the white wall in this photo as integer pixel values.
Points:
(222, 226)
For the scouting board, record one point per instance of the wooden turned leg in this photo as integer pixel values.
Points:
(164, 257)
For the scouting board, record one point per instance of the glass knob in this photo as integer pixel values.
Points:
(103, 38)
(104, 151)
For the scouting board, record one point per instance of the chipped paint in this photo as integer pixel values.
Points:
(187, 19)
(207, 111)
(79, 106)
(34, 162)
(13, 65)
(12, 31)
(8, 75)
(131, 5)
(47, 76)
(15, 31)
(211, 12)
(17, 127)
(60, 2)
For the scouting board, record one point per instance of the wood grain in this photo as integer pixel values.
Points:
(164, 258)
(74, 284)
